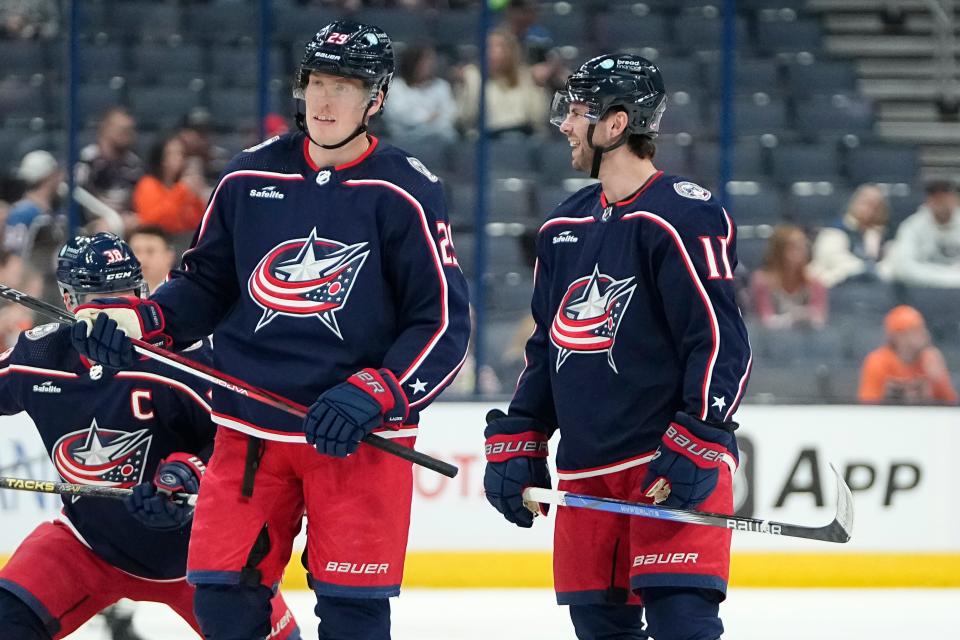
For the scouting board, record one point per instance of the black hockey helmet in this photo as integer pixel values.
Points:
(101, 263)
(615, 80)
(349, 49)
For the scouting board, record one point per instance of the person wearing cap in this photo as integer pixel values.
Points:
(927, 249)
(42, 175)
(908, 369)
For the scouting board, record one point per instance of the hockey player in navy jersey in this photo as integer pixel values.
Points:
(145, 428)
(639, 359)
(324, 266)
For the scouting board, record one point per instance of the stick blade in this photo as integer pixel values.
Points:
(842, 524)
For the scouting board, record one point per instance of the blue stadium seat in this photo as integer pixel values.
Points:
(102, 61)
(240, 65)
(683, 116)
(833, 115)
(939, 309)
(626, 30)
(95, 98)
(748, 162)
(21, 100)
(298, 24)
(680, 74)
(511, 201)
(566, 22)
(805, 163)
(161, 107)
(821, 76)
(699, 33)
(555, 162)
(887, 163)
(779, 36)
(756, 114)
(140, 20)
(817, 209)
(216, 22)
(761, 206)
(454, 28)
(750, 251)
(24, 57)
(461, 200)
(236, 107)
(671, 157)
(863, 302)
(432, 152)
(751, 75)
(403, 25)
(164, 64)
(512, 157)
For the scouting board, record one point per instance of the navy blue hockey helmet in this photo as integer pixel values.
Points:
(623, 80)
(101, 263)
(349, 49)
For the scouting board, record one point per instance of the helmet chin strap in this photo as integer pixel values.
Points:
(599, 151)
(301, 120)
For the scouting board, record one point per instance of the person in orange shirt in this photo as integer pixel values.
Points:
(908, 369)
(172, 194)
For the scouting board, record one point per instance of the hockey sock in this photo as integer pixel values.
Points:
(18, 621)
(233, 612)
(607, 622)
(353, 618)
(683, 614)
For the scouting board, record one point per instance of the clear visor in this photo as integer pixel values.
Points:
(566, 106)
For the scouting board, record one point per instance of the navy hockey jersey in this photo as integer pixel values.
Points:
(635, 320)
(110, 429)
(307, 274)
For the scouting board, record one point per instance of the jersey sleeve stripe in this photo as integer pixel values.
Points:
(441, 385)
(227, 178)
(740, 388)
(22, 368)
(175, 384)
(431, 245)
(711, 313)
(553, 221)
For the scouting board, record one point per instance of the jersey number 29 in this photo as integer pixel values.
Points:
(445, 241)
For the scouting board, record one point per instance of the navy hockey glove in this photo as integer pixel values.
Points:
(343, 415)
(516, 451)
(151, 502)
(687, 464)
(104, 328)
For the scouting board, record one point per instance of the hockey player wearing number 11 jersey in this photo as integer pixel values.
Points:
(639, 359)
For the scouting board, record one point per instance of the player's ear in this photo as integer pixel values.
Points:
(375, 105)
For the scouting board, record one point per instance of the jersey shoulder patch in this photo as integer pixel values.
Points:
(422, 168)
(41, 331)
(691, 190)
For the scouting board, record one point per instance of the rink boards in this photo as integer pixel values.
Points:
(898, 461)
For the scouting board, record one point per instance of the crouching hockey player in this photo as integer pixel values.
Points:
(146, 428)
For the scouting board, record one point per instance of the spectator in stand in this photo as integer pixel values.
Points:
(41, 175)
(172, 193)
(29, 19)
(785, 295)
(195, 132)
(515, 104)
(421, 104)
(108, 168)
(908, 369)
(854, 245)
(520, 18)
(153, 248)
(927, 248)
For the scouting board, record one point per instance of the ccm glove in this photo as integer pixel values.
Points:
(104, 328)
(152, 503)
(687, 464)
(516, 450)
(343, 415)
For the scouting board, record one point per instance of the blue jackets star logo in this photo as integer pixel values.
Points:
(589, 315)
(306, 277)
(102, 457)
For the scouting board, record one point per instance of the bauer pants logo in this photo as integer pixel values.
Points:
(358, 567)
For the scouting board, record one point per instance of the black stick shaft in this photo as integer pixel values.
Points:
(232, 384)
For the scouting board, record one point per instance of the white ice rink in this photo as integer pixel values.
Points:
(749, 614)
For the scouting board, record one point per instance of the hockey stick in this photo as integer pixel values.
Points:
(230, 383)
(82, 490)
(839, 530)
